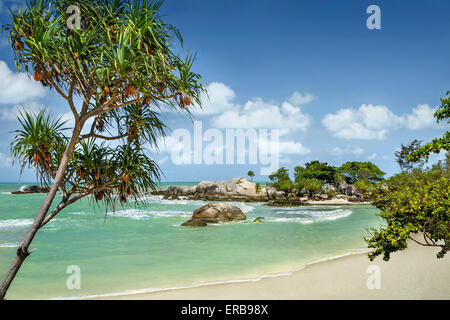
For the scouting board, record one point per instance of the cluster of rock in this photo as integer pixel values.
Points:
(236, 189)
(215, 213)
(241, 189)
(31, 189)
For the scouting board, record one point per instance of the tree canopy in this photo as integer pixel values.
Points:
(355, 170)
(402, 156)
(438, 144)
(317, 170)
(412, 203)
(280, 180)
(124, 64)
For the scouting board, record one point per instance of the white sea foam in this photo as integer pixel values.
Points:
(309, 216)
(6, 193)
(15, 224)
(9, 245)
(245, 207)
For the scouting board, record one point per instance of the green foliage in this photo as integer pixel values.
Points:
(402, 156)
(438, 144)
(122, 66)
(310, 186)
(258, 187)
(365, 187)
(412, 203)
(317, 170)
(38, 143)
(281, 180)
(251, 174)
(355, 171)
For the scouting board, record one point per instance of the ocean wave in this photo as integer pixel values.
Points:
(9, 245)
(15, 224)
(6, 192)
(308, 217)
(137, 214)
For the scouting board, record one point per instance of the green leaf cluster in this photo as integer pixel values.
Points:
(414, 206)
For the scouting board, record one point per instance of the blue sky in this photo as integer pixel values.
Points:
(336, 90)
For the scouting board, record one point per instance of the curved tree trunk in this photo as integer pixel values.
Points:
(22, 251)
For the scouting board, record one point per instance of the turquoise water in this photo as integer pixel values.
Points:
(142, 248)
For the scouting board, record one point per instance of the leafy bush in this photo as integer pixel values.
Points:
(281, 181)
(310, 186)
(356, 170)
(413, 203)
(315, 169)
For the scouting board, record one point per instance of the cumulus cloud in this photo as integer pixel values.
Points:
(13, 112)
(260, 114)
(285, 147)
(17, 88)
(420, 118)
(336, 151)
(218, 99)
(300, 99)
(373, 122)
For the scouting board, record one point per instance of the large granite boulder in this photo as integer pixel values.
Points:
(236, 187)
(346, 188)
(215, 213)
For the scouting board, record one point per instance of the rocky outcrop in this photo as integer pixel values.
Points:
(215, 213)
(31, 189)
(236, 189)
(241, 189)
(346, 188)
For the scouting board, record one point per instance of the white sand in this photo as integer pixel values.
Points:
(415, 273)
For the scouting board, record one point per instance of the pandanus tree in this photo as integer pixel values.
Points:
(123, 65)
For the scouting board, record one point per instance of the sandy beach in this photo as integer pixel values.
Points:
(415, 273)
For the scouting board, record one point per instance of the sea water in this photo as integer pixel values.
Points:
(144, 248)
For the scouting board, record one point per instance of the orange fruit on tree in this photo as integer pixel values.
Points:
(161, 87)
(125, 177)
(19, 45)
(38, 75)
(99, 195)
(36, 157)
(187, 101)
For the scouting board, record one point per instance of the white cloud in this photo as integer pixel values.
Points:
(17, 87)
(284, 147)
(336, 151)
(13, 112)
(219, 99)
(300, 99)
(373, 122)
(260, 114)
(372, 156)
(420, 118)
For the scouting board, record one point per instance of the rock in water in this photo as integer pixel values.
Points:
(259, 220)
(215, 213)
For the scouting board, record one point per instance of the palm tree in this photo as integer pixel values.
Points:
(122, 66)
(251, 174)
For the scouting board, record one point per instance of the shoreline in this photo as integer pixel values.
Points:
(415, 273)
(133, 292)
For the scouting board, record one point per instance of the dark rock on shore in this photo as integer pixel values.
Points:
(31, 189)
(215, 213)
